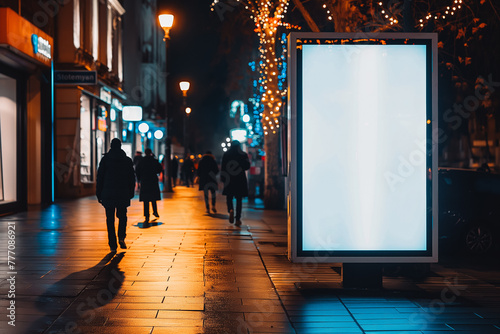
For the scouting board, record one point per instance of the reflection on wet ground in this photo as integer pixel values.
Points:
(192, 272)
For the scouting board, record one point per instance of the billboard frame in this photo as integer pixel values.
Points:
(294, 179)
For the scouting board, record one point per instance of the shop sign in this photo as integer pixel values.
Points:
(105, 95)
(75, 77)
(22, 35)
(101, 124)
(41, 46)
(132, 113)
(117, 104)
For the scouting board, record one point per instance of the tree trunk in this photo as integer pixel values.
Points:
(274, 192)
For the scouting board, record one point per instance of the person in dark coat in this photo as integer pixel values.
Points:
(137, 158)
(147, 173)
(175, 170)
(188, 168)
(207, 175)
(114, 189)
(234, 164)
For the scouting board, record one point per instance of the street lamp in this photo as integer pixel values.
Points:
(186, 129)
(166, 22)
(184, 85)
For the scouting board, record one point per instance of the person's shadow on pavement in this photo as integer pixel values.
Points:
(101, 288)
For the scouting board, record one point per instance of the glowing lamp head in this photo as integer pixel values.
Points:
(184, 87)
(158, 134)
(143, 127)
(166, 20)
(188, 110)
(246, 118)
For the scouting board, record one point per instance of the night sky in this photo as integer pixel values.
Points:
(213, 55)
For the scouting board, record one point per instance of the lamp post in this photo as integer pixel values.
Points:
(186, 129)
(184, 85)
(166, 22)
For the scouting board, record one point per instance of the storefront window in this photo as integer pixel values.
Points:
(85, 140)
(8, 142)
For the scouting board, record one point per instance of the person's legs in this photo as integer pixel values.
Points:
(230, 209)
(146, 211)
(110, 224)
(205, 196)
(238, 208)
(121, 214)
(212, 190)
(155, 209)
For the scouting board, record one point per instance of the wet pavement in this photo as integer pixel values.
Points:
(191, 272)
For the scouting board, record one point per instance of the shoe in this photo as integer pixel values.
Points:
(231, 216)
(112, 249)
(208, 210)
(238, 222)
(156, 215)
(214, 210)
(145, 224)
(122, 243)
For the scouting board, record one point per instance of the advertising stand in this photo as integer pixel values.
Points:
(362, 149)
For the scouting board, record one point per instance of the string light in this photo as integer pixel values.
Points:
(270, 87)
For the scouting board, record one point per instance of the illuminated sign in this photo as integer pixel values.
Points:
(41, 46)
(132, 113)
(105, 95)
(363, 164)
(102, 124)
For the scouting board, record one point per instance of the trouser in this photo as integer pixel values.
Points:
(205, 193)
(121, 214)
(146, 208)
(229, 201)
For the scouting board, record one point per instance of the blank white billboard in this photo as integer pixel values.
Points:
(361, 150)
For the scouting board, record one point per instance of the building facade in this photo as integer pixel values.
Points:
(88, 89)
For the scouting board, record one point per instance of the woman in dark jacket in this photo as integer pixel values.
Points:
(147, 174)
(114, 189)
(234, 164)
(207, 174)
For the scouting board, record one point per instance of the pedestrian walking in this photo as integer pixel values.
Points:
(147, 173)
(234, 164)
(114, 189)
(137, 158)
(175, 170)
(207, 176)
(188, 168)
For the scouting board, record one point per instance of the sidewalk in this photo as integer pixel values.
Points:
(196, 273)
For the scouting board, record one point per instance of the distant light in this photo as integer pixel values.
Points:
(130, 126)
(132, 113)
(143, 127)
(246, 118)
(150, 135)
(112, 115)
(188, 110)
(239, 135)
(228, 139)
(158, 134)
(228, 144)
(224, 149)
(191, 157)
(124, 133)
(223, 144)
(199, 156)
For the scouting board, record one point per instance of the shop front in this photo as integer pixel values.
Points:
(88, 117)
(26, 114)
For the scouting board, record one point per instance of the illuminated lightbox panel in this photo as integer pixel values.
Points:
(363, 172)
